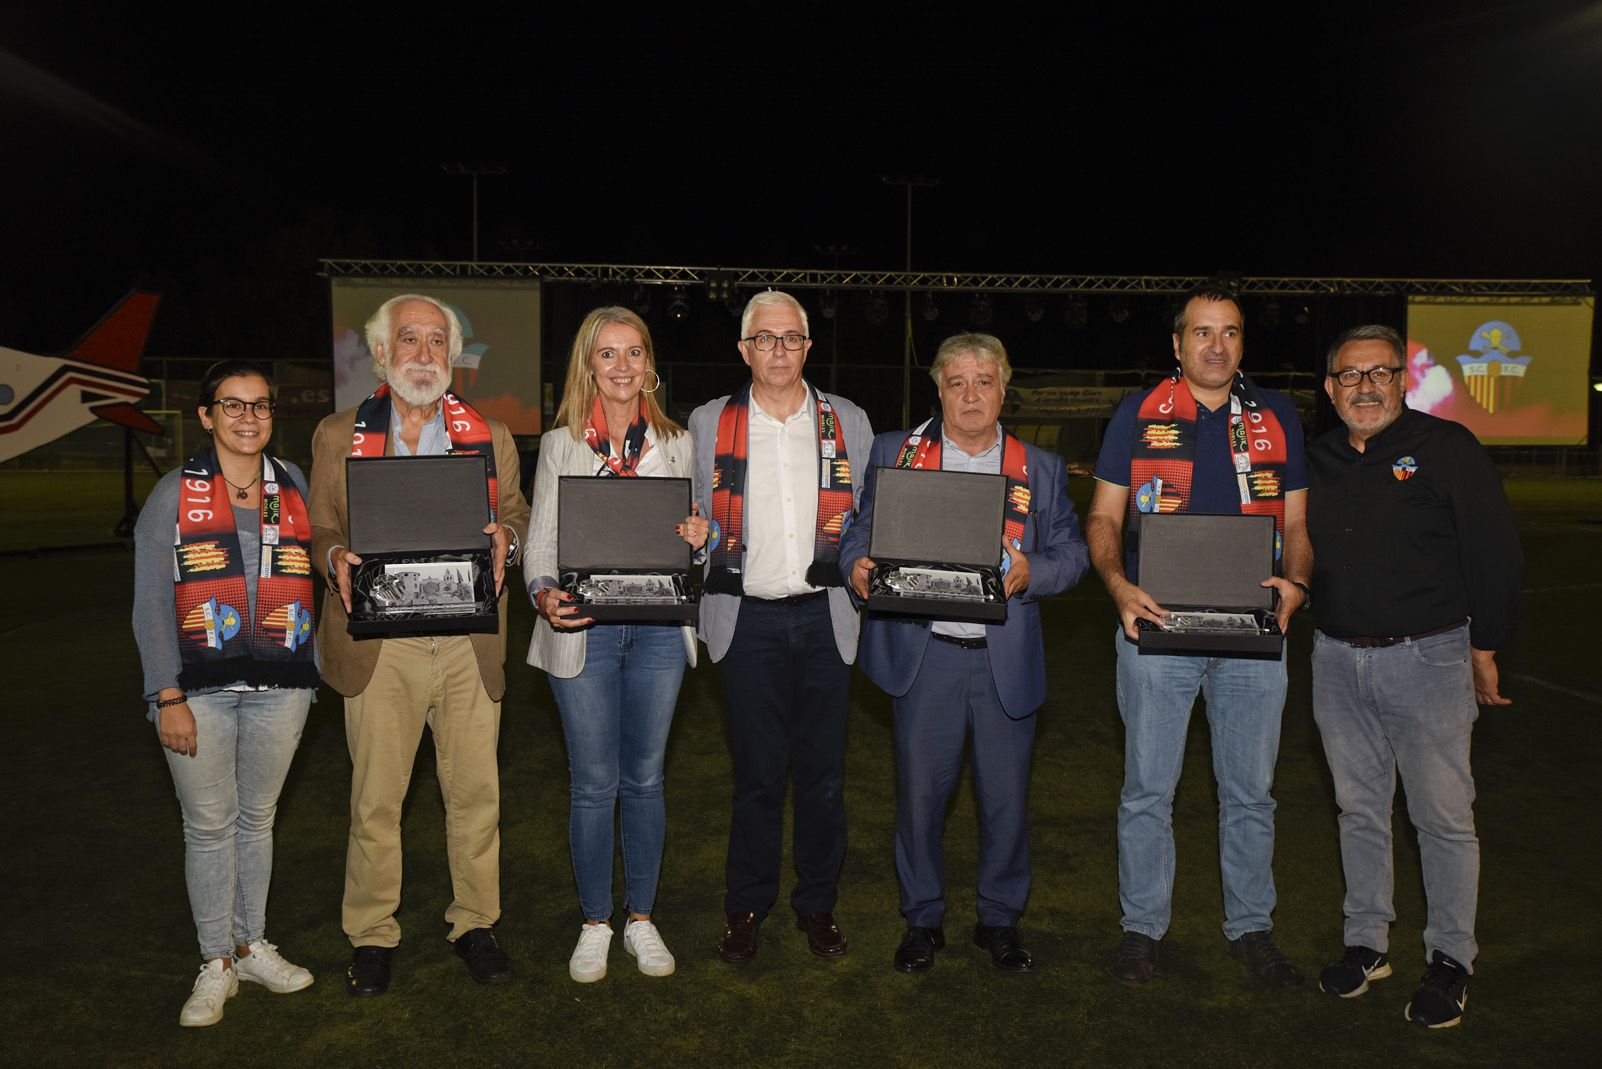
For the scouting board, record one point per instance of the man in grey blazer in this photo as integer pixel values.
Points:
(775, 469)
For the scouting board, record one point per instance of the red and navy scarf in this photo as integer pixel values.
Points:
(1163, 456)
(835, 500)
(215, 645)
(469, 433)
(600, 440)
(922, 450)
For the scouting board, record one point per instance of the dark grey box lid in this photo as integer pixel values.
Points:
(625, 524)
(1203, 561)
(435, 504)
(928, 515)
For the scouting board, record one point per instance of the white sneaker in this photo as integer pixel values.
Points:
(588, 963)
(213, 987)
(265, 966)
(641, 939)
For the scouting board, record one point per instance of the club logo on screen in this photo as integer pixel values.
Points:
(1404, 468)
(1490, 371)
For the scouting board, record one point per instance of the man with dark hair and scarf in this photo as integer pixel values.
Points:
(394, 686)
(775, 470)
(1204, 440)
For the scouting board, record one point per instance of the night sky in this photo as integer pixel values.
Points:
(216, 158)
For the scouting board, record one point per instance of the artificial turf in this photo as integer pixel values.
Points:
(98, 952)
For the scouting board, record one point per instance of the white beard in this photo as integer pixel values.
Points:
(418, 396)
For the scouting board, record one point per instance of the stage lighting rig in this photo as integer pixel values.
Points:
(877, 310)
(678, 307)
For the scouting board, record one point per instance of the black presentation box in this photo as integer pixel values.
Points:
(1193, 563)
(931, 521)
(618, 552)
(418, 525)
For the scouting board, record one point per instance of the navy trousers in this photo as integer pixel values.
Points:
(786, 695)
(954, 698)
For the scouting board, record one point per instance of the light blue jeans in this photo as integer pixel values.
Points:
(615, 715)
(1245, 697)
(1408, 708)
(228, 792)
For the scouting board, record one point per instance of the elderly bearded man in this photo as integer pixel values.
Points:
(1417, 572)
(952, 680)
(775, 471)
(394, 686)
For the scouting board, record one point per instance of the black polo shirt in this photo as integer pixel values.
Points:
(1412, 534)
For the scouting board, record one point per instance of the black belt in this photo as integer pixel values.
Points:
(1375, 642)
(793, 599)
(965, 643)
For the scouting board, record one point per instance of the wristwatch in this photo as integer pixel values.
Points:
(1307, 595)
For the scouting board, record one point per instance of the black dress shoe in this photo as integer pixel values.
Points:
(1006, 952)
(368, 973)
(823, 935)
(739, 942)
(486, 961)
(917, 950)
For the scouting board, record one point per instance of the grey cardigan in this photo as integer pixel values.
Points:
(561, 653)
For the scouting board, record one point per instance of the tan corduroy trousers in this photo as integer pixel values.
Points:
(418, 681)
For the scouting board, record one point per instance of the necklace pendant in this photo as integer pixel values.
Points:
(242, 495)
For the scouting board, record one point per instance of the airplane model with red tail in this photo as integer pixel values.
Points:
(44, 397)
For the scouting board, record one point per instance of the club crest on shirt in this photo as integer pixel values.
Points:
(1403, 468)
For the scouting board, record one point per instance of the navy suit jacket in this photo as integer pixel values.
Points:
(893, 648)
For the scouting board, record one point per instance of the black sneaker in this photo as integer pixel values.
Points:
(1256, 951)
(1136, 960)
(1349, 977)
(1442, 994)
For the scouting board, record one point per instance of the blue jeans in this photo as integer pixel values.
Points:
(1245, 698)
(228, 792)
(1408, 708)
(615, 716)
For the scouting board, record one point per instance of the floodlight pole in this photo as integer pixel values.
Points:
(475, 173)
(910, 181)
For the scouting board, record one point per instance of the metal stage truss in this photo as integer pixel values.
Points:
(727, 278)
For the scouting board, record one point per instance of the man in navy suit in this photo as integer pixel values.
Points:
(951, 679)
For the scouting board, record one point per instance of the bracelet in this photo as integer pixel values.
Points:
(165, 702)
(1307, 595)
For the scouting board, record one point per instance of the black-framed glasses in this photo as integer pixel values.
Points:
(1379, 376)
(233, 407)
(764, 342)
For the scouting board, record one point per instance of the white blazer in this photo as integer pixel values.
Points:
(561, 653)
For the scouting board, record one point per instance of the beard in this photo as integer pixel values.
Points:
(419, 395)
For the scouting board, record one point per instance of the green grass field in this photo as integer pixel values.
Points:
(99, 950)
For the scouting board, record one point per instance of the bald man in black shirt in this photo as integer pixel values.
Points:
(1417, 568)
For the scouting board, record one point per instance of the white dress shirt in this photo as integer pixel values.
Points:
(782, 474)
(953, 458)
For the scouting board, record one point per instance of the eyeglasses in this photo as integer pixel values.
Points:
(235, 408)
(764, 342)
(1379, 376)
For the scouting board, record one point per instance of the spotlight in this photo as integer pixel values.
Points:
(931, 310)
(642, 301)
(979, 312)
(720, 287)
(678, 307)
(826, 306)
(1077, 314)
(877, 311)
(1119, 311)
(1303, 314)
(1034, 309)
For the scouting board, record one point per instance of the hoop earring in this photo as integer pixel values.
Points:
(658, 385)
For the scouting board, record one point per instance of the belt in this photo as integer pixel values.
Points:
(1373, 642)
(793, 599)
(964, 643)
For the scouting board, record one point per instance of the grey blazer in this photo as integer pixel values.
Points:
(720, 612)
(561, 653)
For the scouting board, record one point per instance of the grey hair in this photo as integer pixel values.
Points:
(982, 346)
(767, 297)
(1368, 332)
(378, 327)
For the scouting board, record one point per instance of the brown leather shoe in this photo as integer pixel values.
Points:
(823, 935)
(739, 942)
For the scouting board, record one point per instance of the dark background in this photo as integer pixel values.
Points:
(216, 156)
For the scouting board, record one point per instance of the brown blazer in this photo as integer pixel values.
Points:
(348, 662)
